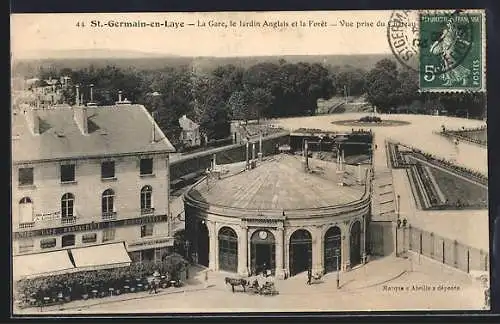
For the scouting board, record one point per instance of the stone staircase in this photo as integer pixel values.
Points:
(383, 199)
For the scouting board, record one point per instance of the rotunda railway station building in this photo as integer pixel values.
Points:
(285, 215)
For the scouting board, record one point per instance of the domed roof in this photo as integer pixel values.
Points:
(280, 183)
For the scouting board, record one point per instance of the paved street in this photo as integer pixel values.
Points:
(383, 284)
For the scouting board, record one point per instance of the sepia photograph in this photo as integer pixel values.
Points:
(222, 162)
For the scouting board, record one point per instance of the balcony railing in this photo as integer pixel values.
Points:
(68, 220)
(26, 225)
(109, 215)
(147, 211)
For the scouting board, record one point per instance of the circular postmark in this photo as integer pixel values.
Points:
(417, 37)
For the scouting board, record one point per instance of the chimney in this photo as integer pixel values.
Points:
(77, 103)
(32, 120)
(153, 126)
(80, 117)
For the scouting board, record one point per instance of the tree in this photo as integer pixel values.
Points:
(382, 84)
(239, 106)
(354, 80)
(210, 110)
(408, 89)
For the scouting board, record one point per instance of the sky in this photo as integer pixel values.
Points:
(34, 35)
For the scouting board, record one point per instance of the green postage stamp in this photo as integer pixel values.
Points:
(452, 51)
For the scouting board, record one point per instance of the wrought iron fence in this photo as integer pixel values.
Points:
(446, 251)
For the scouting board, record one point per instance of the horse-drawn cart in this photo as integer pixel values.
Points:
(267, 289)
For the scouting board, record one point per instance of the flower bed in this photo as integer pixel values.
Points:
(370, 119)
(473, 135)
(428, 186)
(396, 157)
(96, 283)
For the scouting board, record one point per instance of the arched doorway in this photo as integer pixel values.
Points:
(300, 251)
(262, 252)
(355, 244)
(332, 250)
(203, 243)
(228, 249)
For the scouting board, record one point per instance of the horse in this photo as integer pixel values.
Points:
(236, 282)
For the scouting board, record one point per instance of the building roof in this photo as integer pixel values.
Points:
(112, 130)
(187, 124)
(280, 183)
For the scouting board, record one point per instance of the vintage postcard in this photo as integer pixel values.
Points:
(249, 162)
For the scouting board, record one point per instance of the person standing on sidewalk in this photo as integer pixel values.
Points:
(206, 278)
(309, 276)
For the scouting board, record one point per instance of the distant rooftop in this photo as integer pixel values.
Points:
(187, 124)
(280, 183)
(112, 130)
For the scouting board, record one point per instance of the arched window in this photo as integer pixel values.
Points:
(25, 210)
(146, 194)
(25, 200)
(67, 205)
(108, 197)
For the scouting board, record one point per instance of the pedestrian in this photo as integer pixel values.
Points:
(309, 276)
(153, 286)
(206, 279)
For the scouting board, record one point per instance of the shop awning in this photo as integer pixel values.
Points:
(41, 264)
(101, 256)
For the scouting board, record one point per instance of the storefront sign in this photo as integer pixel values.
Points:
(91, 226)
(149, 244)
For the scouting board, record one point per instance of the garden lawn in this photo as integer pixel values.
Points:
(455, 188)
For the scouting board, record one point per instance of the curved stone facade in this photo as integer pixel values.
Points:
(265, 238)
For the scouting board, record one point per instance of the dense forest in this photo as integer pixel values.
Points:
(263, 90)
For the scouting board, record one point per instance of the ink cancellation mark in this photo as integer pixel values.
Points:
(451, 51)
(403, 37)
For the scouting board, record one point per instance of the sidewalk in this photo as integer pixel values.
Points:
(191, 285)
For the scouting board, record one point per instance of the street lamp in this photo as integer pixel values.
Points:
(337, 257)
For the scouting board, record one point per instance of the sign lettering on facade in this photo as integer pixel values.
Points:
(91, 226)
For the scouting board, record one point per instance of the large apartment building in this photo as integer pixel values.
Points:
(92, 179)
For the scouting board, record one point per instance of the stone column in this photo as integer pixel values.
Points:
(317, 252)
(346, 251)
(212, 254)
(249, 256)
(280, 252)
(363, 241)
(243, 252)
(253, 151)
